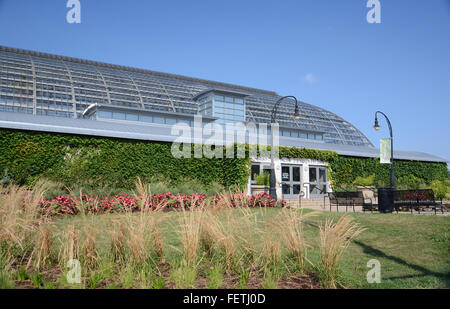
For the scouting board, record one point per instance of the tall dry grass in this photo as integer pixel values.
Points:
(289, 230)
(230, 233)
(335, 237)
(20, 220)
(70, 245)
(190, 234)
(118, 242)
(90, 249)
(42, 253)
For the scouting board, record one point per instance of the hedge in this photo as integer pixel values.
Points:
(118, 162)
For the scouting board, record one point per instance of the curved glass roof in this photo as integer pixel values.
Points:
(44, 84)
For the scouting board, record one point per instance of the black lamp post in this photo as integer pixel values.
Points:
(377, 127)
(272, 179)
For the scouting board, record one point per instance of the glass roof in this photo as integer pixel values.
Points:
(43, 84)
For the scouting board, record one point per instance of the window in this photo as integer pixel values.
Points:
(145, 118)
(157, 119)
(228, 109)
(132, 117)
(118, 115)
(256, 168)
(103, 114)
(218, 98)
(318, 181)
(171, 121)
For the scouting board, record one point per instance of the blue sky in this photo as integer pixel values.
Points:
(322, 51)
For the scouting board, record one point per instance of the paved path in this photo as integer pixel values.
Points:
(359, 210)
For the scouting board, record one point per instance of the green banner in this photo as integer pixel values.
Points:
(385, 150)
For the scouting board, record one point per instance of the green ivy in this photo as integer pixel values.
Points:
(118, 162)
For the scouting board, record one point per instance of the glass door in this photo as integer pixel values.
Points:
(317, 181)
(290, 181)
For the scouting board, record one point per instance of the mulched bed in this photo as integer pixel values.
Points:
(255, 281)
(228, 282)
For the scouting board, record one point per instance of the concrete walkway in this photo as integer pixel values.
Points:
(360, 210)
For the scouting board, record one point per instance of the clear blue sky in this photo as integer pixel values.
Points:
(322, 51)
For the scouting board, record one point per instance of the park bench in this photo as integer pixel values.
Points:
(346, 198)
(418, 200)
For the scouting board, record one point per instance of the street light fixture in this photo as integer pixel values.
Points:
(377, 127)
(272, 179)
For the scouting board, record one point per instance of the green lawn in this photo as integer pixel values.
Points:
(413, 250)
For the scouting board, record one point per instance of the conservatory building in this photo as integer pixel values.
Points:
(50, 93)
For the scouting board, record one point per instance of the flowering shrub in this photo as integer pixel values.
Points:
(415, 195)
(67, 205)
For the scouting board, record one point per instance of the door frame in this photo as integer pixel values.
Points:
(291, 182)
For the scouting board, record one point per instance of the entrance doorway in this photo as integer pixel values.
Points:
(290, 180)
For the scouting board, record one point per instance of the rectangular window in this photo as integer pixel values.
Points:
(218, 98)
(171, 121)
(119, 116)
(157, 119)
(132, 117)
(103, 114)
(145, 118)
(256, 168)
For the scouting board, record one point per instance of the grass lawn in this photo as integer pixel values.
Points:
(413, 250)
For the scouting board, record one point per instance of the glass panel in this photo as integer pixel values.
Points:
(285, 173)
(171, 121)
(117, 115)
(158, 119)
(255, 170)
(146, 118)
(239, 101)
(296, 173)
(218, 98)
(313, 189)
(133, 117)
(286, 189)
(229, 99)
(103, 114)
(296, 189)
(312, 174)
(322, 175)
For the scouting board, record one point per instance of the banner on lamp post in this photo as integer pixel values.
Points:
(385, 150)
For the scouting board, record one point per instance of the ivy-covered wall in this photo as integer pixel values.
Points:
(118, 162)
(108, 161)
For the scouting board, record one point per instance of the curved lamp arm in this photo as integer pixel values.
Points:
(275, 108)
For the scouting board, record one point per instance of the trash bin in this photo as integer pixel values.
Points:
(386, 200)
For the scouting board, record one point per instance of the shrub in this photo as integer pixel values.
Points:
(262, 179)
(365, 181)
(410, 182)
(440, 188)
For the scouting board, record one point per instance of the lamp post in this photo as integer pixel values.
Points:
(272, 179)
(377, 127)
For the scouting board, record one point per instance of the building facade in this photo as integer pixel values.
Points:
(49, 93)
